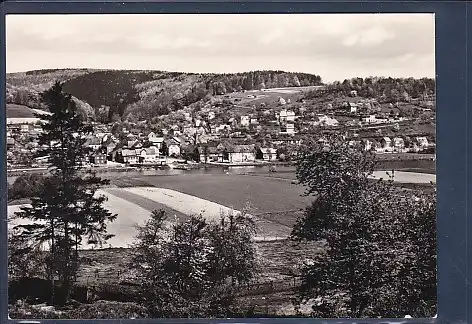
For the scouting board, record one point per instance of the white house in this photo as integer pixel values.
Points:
(267, 154)
(290, 129)
(149, 155)
(386, 144)
(129, 156)
(399, 144)
(173, 147)
(286, 116)
(241, 154)
(353, 108)
(422, 142)
(245, 121)
(371, 119)
(211, 115)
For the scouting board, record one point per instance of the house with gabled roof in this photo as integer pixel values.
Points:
(128, 156)
(155, 140)
(149, 155)
(266, 154)
(93, 143)
(386, 144)
(398, 144)
(173, 147)
(241, 153)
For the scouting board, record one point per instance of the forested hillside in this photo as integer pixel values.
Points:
(108, 95)
(144, 94)
(385, 89)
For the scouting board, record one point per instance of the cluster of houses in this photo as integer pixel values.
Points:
(215, 135)
(229, 153)
(395, 145)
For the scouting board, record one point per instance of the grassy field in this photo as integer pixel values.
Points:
(277, 259)
(271, 290)
(274, 195)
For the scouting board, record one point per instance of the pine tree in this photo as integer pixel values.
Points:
(66, 208)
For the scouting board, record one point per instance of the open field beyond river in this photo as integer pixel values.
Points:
(274, 201)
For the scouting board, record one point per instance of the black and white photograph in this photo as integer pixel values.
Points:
(221, 166)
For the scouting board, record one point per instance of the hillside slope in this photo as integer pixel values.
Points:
(24, 88)
(144, 94)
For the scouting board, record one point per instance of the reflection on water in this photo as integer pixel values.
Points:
(210, 170)
(400, 176)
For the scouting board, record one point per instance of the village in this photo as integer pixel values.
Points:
(217, 134)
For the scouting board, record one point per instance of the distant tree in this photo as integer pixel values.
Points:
(376, 263)
(25, 186)
(296, 82)
(66, 208)
(190, 269)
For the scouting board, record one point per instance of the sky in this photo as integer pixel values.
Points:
(334, 46)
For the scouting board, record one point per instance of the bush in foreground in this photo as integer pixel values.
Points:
(98, 310)
(192, 269)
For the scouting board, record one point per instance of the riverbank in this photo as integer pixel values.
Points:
(409, 165)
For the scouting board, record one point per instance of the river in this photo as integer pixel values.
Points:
(282, 171)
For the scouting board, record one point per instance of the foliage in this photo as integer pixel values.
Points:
(66, 207)
(98, 310)
(24, 258)
(25, 186)
(191, 269)
(142, 95)
(109, 310)
(381, 242)
(386, 89)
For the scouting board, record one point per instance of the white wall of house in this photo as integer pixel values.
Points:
(245, 120)
(238, 157)
(174, 149)
(269, 156)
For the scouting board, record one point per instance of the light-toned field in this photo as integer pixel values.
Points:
(263, 194)
(133, 205)
(129, 215)
(274, 202)
(406, 177)
(180, 205)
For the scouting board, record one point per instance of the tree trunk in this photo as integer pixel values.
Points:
(76, 257)
(67, 263)
(53, 262)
